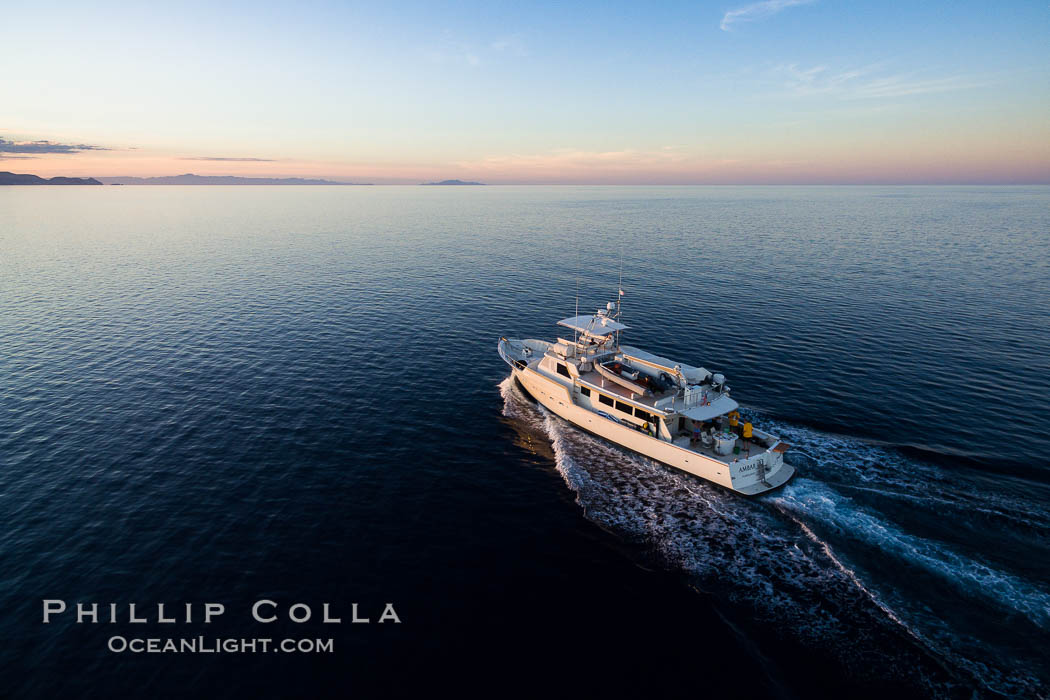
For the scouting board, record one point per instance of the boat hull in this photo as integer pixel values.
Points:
(742, 476)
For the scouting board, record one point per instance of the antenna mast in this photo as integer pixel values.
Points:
(575, 332)
(619, 289)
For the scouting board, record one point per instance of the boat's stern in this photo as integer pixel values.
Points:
(762, 472)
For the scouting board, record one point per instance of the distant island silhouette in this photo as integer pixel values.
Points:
(7, 178)
(452, 182)
(191, 179)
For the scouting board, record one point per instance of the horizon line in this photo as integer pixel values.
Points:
(341, 180)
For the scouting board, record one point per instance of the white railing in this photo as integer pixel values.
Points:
(688, 399)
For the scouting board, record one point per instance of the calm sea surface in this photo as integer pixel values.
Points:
(222, 394)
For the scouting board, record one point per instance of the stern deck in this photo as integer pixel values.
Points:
(699, 448)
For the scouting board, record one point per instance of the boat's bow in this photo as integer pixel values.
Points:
(519, 353)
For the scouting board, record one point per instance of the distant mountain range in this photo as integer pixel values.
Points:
(190, 179)
(7, 178)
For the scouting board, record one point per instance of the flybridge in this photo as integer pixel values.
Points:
(598, 325)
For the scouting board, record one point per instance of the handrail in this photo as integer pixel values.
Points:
(699, 398)
(617, 397)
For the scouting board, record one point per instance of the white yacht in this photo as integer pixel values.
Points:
(668, 411)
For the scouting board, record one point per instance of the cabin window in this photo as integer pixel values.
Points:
(681, 423)
(626, 408)
(644, 415)
(585, 391)
(607, 400)
(563, 370)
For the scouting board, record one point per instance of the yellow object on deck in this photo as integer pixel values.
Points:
(747, 431)
(734, 417)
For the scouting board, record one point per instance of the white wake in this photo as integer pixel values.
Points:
(768, 557)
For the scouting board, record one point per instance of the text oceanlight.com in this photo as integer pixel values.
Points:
(215, 645)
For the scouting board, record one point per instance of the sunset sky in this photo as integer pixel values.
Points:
(776, 91)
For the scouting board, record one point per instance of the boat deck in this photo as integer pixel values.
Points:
(755, 449)
(611, 387)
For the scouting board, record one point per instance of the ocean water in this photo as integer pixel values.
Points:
(223, 394)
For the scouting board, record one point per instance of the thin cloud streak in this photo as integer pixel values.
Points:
(865, 83)
(901, 86)
(757, 11)
(230, 160)
(669, 164)
(48, 147)
(568, 158)
(680, 166)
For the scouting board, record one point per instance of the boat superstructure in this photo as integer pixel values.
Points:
(669, 411)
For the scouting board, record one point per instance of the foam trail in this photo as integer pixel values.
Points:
(853, 464)
(703, 529)
(810, 499)
(850, 574)
(766, 555)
